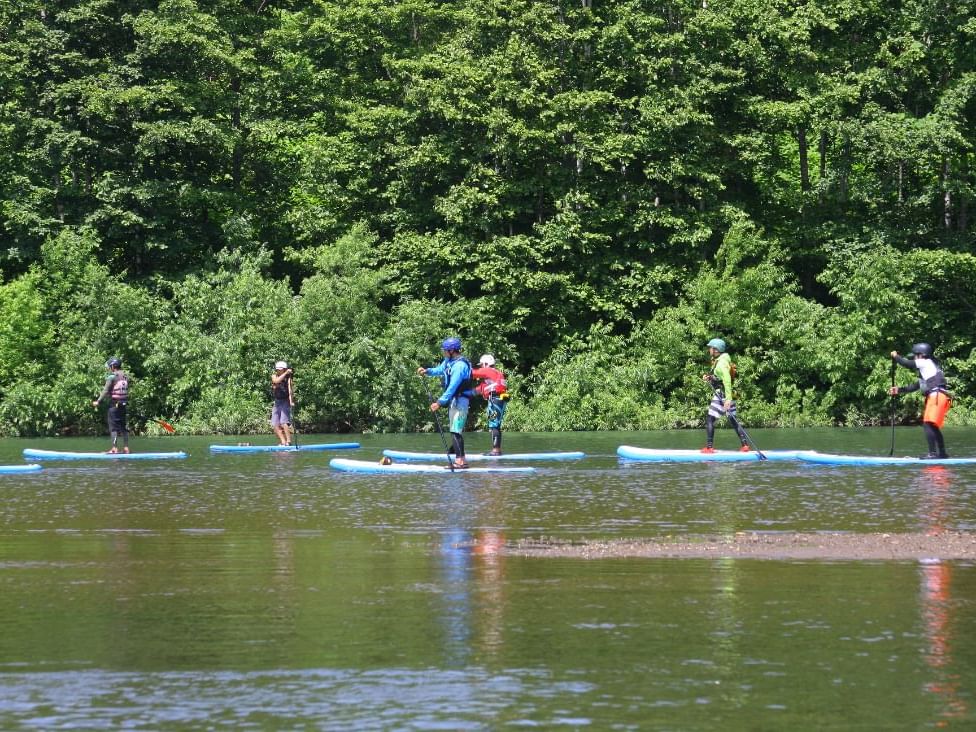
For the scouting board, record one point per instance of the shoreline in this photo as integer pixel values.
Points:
(827, 546)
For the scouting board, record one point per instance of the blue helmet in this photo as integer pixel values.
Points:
(114, 363)
(451, 344)
(718, 344)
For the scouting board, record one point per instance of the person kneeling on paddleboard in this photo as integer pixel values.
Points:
(932, 383)
(723, 372)
(116, 391)
(493, 387)
(455, 373)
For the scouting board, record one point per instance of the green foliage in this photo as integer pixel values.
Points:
(589, 190)
(26, 336)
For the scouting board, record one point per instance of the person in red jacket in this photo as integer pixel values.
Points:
(494, 389)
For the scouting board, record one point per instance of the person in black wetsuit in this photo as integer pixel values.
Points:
(116, 392)
(932, 383)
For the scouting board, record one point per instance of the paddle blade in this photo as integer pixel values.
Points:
(165, 425)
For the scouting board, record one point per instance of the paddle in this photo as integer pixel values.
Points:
(294, 431)
(738, 425)
(437, 422)
(893, 397)
(161, 422)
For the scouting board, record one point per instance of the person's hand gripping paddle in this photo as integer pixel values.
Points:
(437, 423)
(893, 398)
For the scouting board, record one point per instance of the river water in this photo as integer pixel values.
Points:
(269, 592)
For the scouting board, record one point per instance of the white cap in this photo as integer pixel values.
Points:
(281, 365)
(487, 360)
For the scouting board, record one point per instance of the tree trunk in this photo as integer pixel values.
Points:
(237, 159)
(845, 169)
(822, 149)
(56, 183)
(962, 220)
(946, 195)
(801, 137)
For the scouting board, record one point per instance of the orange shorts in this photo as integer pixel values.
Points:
(936, 405)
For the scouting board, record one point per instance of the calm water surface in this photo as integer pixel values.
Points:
(267, 591)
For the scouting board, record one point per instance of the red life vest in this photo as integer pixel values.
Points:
(493, 381)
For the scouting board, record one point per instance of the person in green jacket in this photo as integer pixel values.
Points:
(722, 405)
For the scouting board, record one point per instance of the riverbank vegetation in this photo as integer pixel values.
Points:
(588, 190)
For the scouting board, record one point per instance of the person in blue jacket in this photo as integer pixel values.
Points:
(455, 374)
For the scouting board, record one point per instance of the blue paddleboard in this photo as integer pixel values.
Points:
(435, 456)
(823, 458)
(31, 468)
(364, 466)
(697, 456)
(64, 455)
(285, 448)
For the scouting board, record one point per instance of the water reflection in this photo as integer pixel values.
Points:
(490, 575)
(938, 620)
(456, 598)
(728, 631)
(934, 485)
(473, 571)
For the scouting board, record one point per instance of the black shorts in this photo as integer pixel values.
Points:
(116, 417)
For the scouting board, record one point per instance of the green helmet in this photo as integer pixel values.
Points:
(718, 344)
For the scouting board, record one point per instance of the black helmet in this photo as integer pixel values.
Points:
(922, 349)
(114, 363)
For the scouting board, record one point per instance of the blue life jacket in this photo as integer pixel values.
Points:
(466, 387)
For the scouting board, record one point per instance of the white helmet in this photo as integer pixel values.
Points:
(487, 360)
(281, 365)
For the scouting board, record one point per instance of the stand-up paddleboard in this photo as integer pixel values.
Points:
(286, 448)
(697, 456)
(364, 466)
(823, 458)
(435, 456)
(64, 455)
(30, 468)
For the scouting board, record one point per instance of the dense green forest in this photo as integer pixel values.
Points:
(589, 190)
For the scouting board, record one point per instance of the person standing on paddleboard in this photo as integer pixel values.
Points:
(284, 399)
(455, 373)
(932, 383)
(493, 387)
(722, 405)
(116, 392)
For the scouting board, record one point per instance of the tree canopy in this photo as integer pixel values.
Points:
(589, 190)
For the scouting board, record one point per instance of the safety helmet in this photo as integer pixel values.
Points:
(451, 344)
(114, 363)
(718, 344)
(922, 349)
(487, 360)
(281, 365)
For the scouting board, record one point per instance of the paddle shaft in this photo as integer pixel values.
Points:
(437, 422)
(161, 422)
(738, 425)
(893, 398)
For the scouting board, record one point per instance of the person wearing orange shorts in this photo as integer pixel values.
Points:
(932, 383)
